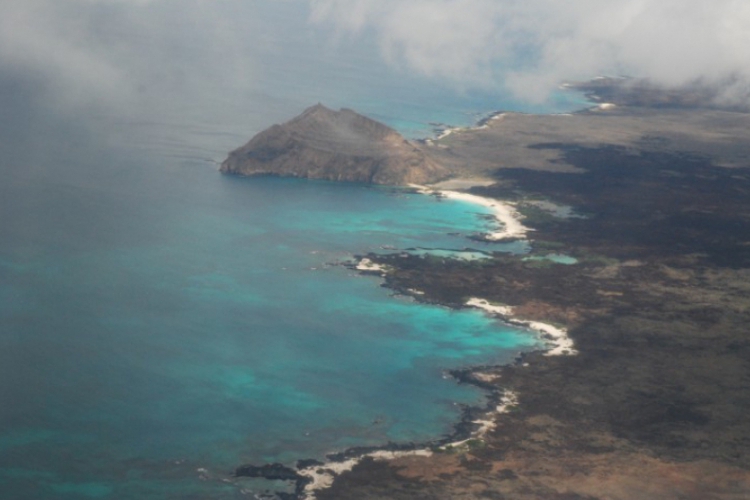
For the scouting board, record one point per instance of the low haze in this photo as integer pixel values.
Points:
(163, 53)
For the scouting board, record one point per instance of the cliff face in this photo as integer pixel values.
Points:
(334, 145)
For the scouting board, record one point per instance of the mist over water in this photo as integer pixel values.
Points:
(161, 324)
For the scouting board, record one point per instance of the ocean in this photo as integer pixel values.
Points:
(161, 324)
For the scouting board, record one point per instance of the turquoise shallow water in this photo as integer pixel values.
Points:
(161, 324)
(158, 331)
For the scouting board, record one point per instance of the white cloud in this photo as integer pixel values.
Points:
(158, 53)
(531, 45)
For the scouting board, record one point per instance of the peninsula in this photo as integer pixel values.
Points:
(652, 203)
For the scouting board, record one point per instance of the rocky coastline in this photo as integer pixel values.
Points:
(653, 404)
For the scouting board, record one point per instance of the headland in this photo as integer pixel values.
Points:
(335, 145)
(650, 402)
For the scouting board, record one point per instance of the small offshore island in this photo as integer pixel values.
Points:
(649, 193)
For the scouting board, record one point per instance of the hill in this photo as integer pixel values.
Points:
(335, 145)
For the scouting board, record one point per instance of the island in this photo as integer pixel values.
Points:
(648, 200)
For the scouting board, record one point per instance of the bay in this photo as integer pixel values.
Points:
(161, 324)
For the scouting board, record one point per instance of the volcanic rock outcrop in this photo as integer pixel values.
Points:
(335, 145)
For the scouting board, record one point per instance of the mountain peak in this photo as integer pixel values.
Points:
(318, 109)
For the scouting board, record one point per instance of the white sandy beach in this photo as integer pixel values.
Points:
(504, 212)
(556, 338)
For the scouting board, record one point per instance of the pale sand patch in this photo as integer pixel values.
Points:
(370, 266)
(508, 401)
(323, 475)
(463, 183)
(557, 338)
(486, 377)
(447, 132)
(390, 455)
(486, 306)
(419, 188)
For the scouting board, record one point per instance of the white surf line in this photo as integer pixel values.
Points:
(508, 400)
(446, 132)
(323, 475)
(560, 344)
(504, 212)
(485, 125)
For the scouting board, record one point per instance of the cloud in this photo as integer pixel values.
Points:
(532, 45)
(451, 39)
(158, 56)
(126, 54)
(36, 38)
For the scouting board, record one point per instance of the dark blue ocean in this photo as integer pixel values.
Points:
(161, 324)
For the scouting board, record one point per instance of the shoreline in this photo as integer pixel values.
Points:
(311, 476)
(584, 429)
(503, 211)
(476, 421)
(442, 131)
(557, 338)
